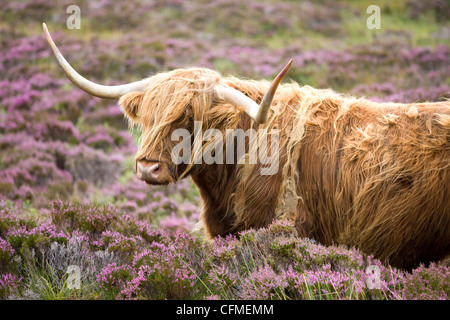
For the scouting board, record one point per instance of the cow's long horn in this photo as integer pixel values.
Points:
(259, 113)
(98, 90)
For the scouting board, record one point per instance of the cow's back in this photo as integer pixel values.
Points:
(377, 176)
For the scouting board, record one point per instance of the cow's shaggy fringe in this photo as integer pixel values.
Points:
(370, 175)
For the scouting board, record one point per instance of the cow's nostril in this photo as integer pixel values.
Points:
(153, 168)
(148, 172)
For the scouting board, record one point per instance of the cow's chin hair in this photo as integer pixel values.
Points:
(162, 183)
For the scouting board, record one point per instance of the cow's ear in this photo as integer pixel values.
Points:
(130, 104)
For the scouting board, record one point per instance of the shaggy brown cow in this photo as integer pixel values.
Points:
(371, 175)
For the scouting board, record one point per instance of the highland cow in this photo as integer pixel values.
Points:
(375, 176)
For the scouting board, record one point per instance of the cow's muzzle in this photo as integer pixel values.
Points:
(153, 172)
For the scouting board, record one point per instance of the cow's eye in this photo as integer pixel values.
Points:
(190, 123)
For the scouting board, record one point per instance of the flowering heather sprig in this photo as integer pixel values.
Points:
(113, 277)
(6, 255)
(44, 233)
(263, 284)
(161, 271)
(12, 217)
(222, 279)
(146, 232)
(224, 248)
(117, 242)
(9, 284)
(156, 279)
(432, 283)
(92, 219)
(135, 287)
(343, 284)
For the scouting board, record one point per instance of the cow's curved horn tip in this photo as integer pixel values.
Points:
(46, 33)
(288, 65)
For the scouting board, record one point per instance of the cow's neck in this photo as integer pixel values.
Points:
(216, 184)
